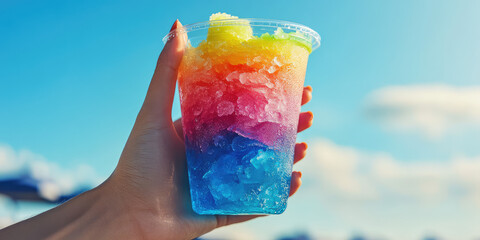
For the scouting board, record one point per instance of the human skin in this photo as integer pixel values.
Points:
(147, 195)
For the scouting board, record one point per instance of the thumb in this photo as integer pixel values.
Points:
(157, 106)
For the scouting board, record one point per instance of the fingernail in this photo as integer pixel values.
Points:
(310, 88)
(305, 144)
(174, 26)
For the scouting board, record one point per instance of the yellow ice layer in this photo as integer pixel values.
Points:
(219, 30)
(229, 29)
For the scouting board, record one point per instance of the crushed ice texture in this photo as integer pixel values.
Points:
(225, 108)
(238, 175)
(240, 126)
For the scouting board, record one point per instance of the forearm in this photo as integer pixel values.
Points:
(87, 216)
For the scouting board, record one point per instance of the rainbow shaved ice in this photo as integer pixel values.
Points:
(240, 99)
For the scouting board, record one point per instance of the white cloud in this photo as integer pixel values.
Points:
(54, 180)
(5, 221)
(352, 174)
(339, 170)
(10, 161)
(432, 110)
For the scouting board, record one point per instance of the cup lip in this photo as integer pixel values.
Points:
(254, 22)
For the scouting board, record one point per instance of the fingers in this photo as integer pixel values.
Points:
(305, 121)
(300, 152)
(307, 94)
(296, 182)
(159, 99)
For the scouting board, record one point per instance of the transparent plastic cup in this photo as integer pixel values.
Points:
(240, 85)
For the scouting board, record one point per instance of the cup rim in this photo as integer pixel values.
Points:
(254, 22)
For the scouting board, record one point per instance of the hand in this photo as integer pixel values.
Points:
(151, 177)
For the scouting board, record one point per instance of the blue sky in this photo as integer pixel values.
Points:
(73, 76)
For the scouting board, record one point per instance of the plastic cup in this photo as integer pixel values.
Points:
(240, 85)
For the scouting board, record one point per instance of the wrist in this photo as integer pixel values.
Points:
(99, 215)
(91, 215)
(94, 214)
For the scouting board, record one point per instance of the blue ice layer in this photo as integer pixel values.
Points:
(238, 175)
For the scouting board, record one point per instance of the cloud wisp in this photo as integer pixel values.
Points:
(54, 181)
(352, 174)
(432, 110)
